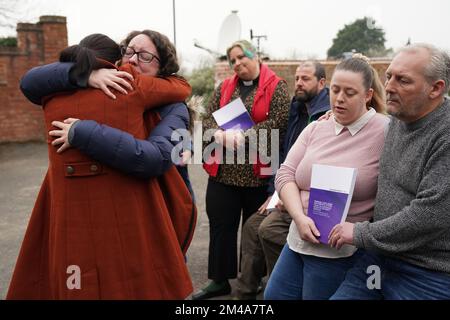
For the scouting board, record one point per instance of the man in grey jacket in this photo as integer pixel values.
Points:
(408, 243)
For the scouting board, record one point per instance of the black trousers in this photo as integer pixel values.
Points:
(224, 206)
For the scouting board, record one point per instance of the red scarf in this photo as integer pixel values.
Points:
(267, 84)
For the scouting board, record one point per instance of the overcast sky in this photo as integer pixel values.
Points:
(293, 27)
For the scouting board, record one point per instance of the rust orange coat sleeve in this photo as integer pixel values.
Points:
(159, 91)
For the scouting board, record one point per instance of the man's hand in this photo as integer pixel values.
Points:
(280, 206)
(341, 234)
(110, 78)
(62, 134)
(262, 210)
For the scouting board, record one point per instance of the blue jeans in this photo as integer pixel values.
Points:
(302, 277)
(399, 281)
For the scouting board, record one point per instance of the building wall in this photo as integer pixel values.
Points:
(37, 44)
(286, 70)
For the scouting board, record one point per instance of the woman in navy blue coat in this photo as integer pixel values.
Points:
(113, 147)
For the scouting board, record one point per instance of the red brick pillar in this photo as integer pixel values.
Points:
(54, 31)
(37, 44)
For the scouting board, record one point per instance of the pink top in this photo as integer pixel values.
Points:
(320, 143)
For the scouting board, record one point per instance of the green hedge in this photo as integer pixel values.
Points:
(8, 42)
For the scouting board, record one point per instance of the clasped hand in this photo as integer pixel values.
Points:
(230, 139)
(104, 79)
(62, 135)
(340, 234)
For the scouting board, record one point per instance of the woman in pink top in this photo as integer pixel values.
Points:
(353, 137)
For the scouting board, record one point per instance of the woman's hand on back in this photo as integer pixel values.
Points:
(106, 79)
(61, 134)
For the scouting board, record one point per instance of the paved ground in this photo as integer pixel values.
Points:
(22, 168)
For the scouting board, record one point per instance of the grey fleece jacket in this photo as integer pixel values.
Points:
(412, 207)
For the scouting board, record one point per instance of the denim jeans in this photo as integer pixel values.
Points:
(399, 281)
(302, 277)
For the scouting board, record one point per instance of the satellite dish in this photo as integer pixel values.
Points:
(230, 31)
(200, 46)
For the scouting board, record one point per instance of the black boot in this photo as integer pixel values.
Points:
(213, 289)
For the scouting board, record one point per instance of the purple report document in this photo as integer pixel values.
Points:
(326, 209)
(330, 195)
(233, 116)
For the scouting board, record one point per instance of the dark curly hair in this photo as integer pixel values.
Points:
(166, 51)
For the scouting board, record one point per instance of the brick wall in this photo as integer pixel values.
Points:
(37, 44)
(286, 70)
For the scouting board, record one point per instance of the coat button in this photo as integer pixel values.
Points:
(94, 168)
(70, 170)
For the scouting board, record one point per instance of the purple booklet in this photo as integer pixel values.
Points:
(330, 196)
(233, 116)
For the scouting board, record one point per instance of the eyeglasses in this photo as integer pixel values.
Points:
(143, 56)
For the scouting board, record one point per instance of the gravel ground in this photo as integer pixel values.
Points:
(22, 169)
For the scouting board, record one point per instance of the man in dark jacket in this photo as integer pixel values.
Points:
(264, 233)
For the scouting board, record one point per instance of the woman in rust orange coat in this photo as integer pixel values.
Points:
(96, 233)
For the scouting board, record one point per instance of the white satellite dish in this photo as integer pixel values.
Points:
(230, 31)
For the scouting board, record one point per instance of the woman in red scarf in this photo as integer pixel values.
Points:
(235, 189)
